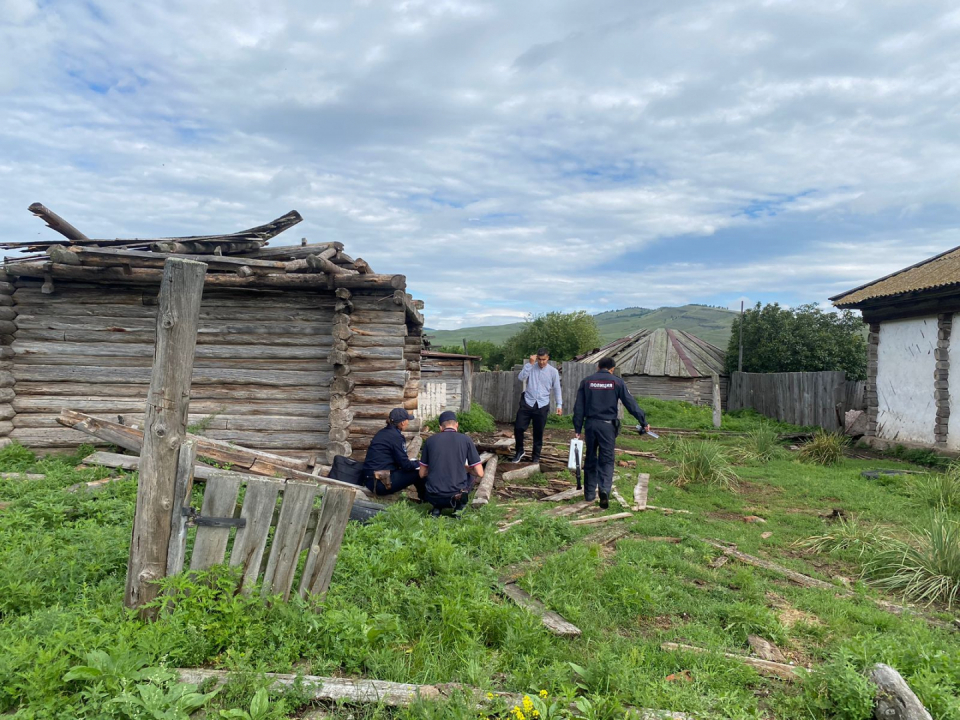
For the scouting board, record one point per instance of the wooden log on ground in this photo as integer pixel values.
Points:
(521, 473)
(790, 673)
(165, 429)
(561, 496)
(765, 649)
(554, 622)
(55, 222)
(640, 492)
(295, 252)
(485, 488)
(21, 476)
(895, 700)
(602, 519)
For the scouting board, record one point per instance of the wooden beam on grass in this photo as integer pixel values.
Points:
(790, 673)
(485, 487)
(165, 428)
(640, 492)
(554, 622)
(602, 519)
(561, 496)
(521, 473)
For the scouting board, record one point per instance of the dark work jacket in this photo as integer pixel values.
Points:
(388, 451)
(597, 400)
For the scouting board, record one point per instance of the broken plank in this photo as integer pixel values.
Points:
(553, 621)
(602, 519)
(790, 673)
(565, 510)
(509, 525)
(619, 498)
(640, 492)
(561, 496)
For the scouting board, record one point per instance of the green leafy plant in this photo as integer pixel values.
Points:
(259, 708)
(203, 424)
(474, 420)
(824, 449)
(703, 462)
(926, 569)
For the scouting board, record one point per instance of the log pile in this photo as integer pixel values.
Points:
(301, 348)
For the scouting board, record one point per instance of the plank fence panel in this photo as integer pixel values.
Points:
(219, 500)
(799, 398)
(498, 393)
(331, 525)
(572, 375)
(285, 549)
(258, 506)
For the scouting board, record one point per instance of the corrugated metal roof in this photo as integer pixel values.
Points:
(661, 353)
(939, 271)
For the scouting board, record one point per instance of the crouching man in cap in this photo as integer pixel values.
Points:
(387, 469)
(449, 458)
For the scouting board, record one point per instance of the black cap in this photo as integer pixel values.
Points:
(398, 415)
(447, 416)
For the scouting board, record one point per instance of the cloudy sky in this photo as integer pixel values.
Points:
(508, 157)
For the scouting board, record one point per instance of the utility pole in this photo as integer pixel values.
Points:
(740, 360)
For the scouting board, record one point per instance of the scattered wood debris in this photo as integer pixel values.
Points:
(554, 622)
(640, 492)
(21, 476)
(790, 673)
(602, 519)
(766, 650)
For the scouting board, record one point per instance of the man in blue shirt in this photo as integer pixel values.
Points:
(542, 379)
(449, 459)
(387, 469)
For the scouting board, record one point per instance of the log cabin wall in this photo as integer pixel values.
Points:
(698, 391)
(269, 365)
(8, 315)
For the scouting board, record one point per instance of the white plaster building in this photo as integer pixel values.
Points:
(909, 384)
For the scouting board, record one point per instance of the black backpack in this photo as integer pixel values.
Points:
(347, 470)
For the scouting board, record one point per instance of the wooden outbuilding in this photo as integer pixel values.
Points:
(301, 349)
(910, 389)
(667, 365)
(446, 381)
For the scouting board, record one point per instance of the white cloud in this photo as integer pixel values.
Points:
(507, 157)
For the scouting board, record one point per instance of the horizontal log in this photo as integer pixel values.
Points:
(293, 252)
(210, 365)
(386, 395)
(51, 405)
(384, 377)
(364, 352)
(148, 337)
(371, 330)
(254, 312)
(201, 376)
(209, 421)
(233, 352)
(38, 322)
(274, 395)
(107, 257)
(53, 438)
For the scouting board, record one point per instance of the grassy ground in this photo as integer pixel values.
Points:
(411, 601)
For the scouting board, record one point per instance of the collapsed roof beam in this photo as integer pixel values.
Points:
(55, 222)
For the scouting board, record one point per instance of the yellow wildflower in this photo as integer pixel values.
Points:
(490, 696)
(543, 693)
(527, 703)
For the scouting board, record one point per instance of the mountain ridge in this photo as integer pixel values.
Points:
(706, 322)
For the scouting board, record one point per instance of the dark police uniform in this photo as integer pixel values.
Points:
(388, 454)
(597, 408)
(448, 454)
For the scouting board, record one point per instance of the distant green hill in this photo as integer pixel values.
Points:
(710, 323)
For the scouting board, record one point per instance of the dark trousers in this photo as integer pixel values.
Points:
(457, 501)
(598, 465)
(524, 415)
(399, 480)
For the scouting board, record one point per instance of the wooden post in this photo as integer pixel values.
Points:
(177, 548)
(466, 397)
(165, 426)
(717, 405)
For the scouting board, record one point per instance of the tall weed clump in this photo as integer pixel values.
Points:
(926, 569)
(762, 444)
(940, 491)
(703, 462)
(824, 449)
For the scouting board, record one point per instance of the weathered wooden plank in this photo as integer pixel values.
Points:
(485, 487)
(165, 428)
(219, 500)
(602, 519)
(259, 504)
(177, 547)
(285, 549)
(553, 621)
(640, 491)
(568, 494)
(322, 557)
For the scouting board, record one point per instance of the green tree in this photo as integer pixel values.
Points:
(801, 339)
(564, 334)
(491, 353)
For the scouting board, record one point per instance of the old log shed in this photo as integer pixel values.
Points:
(301, 349)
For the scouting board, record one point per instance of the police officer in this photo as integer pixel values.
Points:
(449, 460)
(597, 409)
(387, 469)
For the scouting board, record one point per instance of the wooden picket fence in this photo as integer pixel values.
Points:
(799, 398)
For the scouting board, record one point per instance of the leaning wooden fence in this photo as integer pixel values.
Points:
(799, 398)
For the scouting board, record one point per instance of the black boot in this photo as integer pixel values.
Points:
(604, 500)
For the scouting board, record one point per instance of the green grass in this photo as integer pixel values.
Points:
(411, 601)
